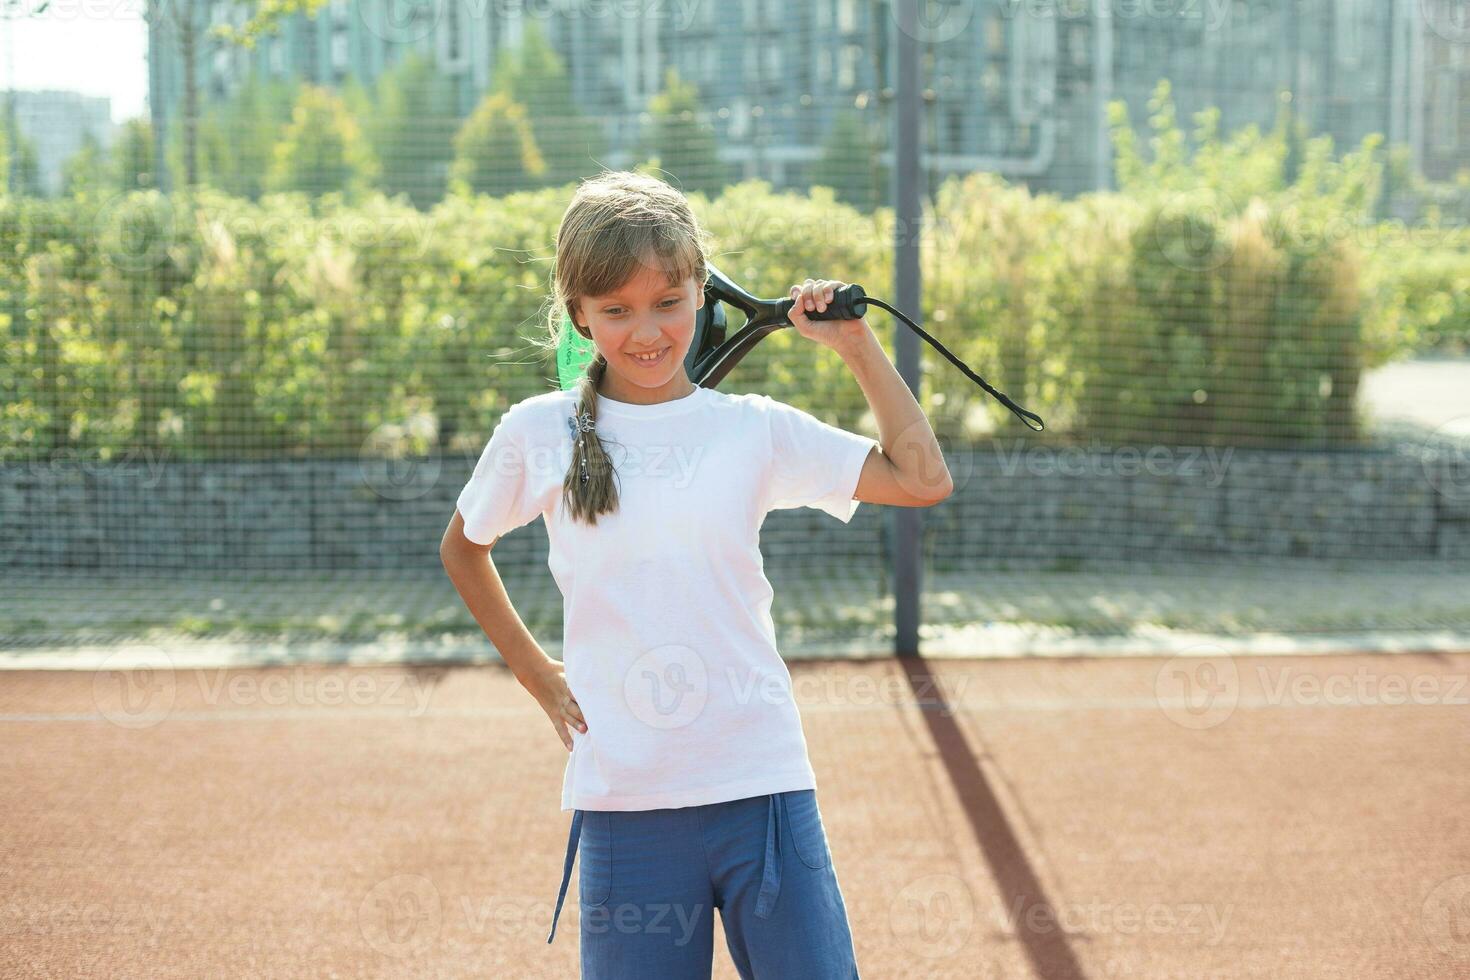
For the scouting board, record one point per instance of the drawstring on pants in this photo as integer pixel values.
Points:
(566, 873)
(771, 873)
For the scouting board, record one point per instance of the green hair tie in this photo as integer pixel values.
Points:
(573, 353)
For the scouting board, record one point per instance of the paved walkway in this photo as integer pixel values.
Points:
(401, 617)
(1428, 394)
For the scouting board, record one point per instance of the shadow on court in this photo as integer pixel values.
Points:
(1079, 818)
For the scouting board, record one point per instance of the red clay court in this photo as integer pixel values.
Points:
(1304, 816)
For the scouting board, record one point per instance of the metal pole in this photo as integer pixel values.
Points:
(1102, 74)
(158, 87)
(12, 129)
(1414, 64)
(907, 524)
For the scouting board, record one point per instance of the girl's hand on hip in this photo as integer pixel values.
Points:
(548, 685)
(815, 294)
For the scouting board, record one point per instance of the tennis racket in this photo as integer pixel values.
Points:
(712, 354)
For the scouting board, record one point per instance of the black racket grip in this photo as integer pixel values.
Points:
(848, 303)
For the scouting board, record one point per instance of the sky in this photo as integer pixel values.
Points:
(97, 47)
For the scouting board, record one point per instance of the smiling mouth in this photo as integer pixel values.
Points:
(651, 361)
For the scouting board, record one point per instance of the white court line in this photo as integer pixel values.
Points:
(1038, 705)
(997, 641)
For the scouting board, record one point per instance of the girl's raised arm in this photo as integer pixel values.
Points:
(910, 470)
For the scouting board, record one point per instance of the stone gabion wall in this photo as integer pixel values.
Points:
(1189, 503)
(1031, 506)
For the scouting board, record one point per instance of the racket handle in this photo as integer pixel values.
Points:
(848, 303)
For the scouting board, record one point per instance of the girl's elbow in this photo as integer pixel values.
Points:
(455, 548)
(940, 486)
(941, 492)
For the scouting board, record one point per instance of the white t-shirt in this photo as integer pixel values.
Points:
(669, 646)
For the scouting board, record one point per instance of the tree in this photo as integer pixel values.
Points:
(412, 128)
(266, 18)
(179, 21)
(132, 157)
(27, 171)
(85, 173)
(685, 146)
(848, 162)
(535, 76)
(18, 156)
(416, 137)
(238, 135)
(1229, 172)
(7, 164)
(322, 149)
(495, 151)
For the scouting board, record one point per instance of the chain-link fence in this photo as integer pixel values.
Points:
(252, 342)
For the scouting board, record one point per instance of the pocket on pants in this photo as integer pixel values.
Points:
(594, 875)
(807, 832)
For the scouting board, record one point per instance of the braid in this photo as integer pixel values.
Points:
(589, 488)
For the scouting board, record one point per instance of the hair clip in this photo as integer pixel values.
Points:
(584, 422)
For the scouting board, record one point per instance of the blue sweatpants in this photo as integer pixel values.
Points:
(649, 881)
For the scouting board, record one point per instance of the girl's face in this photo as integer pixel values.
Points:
(645, 316)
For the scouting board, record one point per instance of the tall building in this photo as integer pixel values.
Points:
(1018, 87)
(57, 123)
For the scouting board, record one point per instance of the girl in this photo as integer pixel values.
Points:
(688, 778)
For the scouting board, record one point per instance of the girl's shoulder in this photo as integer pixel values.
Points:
(748, 408)
(535, 420)
(762, 405)
(749, 401)
(543, 408)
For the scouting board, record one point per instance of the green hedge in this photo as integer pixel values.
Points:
(1418, 283)
(211, 326)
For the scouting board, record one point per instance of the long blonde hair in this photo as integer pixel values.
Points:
(615, 221)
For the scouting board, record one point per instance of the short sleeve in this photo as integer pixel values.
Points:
(813, 464)
(499, 496)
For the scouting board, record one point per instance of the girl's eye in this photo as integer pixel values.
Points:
(666, 304)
